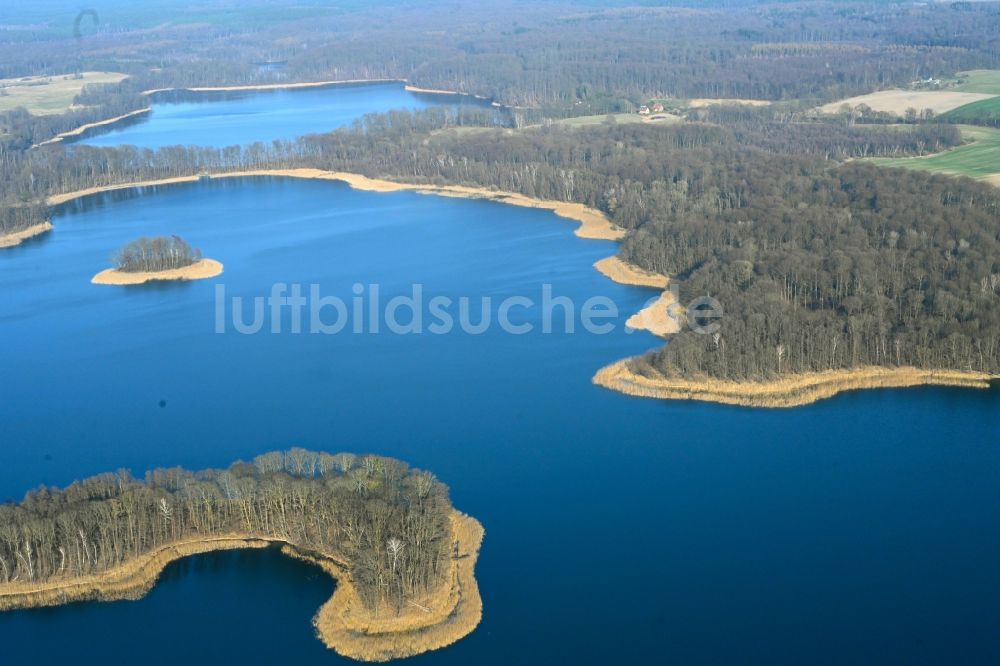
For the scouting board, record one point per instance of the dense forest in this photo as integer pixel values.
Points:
(558, 58)
(161, 253)
(387, 521)
(835, 269)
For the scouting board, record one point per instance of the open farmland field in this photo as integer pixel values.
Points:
(701, 102)
(978, 81)
(898, 101)
(977, 159)
(43, 95)
(600, 119)
(983, 112)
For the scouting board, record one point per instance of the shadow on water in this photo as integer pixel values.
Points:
(231, 604)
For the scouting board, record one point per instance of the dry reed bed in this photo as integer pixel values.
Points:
(18, 237)
(790, 391)
(100, 123)
(199, 270)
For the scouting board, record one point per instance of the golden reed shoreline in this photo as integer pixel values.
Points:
(596, 225)
(18, 237)
(199, 270)
(343, 624)
(593, 223)
(789, 391)
(77, 131)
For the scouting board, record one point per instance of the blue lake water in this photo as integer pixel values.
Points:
(862, 529)
(231, 118)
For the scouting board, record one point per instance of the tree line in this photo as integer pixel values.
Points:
(160, 253)
(388, 522)
(558, 59)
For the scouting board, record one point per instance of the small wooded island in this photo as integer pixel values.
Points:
(159, 258)
(402, 556)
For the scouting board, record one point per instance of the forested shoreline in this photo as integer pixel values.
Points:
(819, 264)
(389, 523)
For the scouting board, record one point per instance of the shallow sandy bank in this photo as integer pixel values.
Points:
(623, 272)
(454, 93)
(83, 128)
(593, 223)
(16, 238)
(343, 624)
(661, 317)
(790, 391)
(200, 270)
(276, 86)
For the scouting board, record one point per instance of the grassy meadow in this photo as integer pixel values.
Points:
(978, 158)
(43, 95)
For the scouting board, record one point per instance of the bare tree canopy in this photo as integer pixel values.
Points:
(160, 253)
(389, 522)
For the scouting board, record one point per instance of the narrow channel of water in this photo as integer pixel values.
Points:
(222, 119)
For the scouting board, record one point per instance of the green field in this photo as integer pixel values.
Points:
(48, 94)
(985, 111)
(600, 119)
(978, 81)
(980, 157)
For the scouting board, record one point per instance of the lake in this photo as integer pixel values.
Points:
(222, 119)
(861, 529)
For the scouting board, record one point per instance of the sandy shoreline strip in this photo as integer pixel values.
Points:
(660, 316)
(18, 237)
(275, 86)
(199, 270)
(455, 93)
(790, 391)
(342, 623)
(623, 272)
(593, 223)
(83, 128)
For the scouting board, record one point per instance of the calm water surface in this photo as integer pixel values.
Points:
(863, 529)
(225, 119)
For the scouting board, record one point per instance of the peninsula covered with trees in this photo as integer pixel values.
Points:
(159, 258)
(402, 556)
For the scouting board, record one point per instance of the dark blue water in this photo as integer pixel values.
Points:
(235, 581)
(246, 117)
(862, 529)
